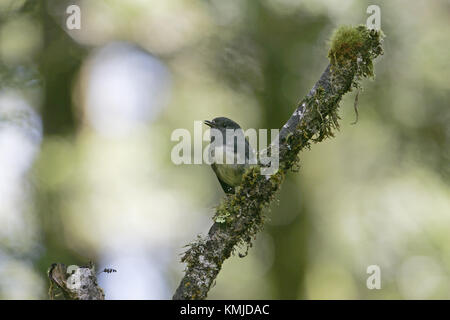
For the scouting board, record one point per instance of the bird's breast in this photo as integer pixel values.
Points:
(230, 166)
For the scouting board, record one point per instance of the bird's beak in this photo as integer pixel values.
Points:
(209, 123)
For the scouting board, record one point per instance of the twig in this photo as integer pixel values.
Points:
(355, 107)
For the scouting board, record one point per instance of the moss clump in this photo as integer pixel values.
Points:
(352, 50)
(346, 42)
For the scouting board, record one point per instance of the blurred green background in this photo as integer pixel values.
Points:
(85, 123)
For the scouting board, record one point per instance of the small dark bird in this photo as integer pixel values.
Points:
(243, 156)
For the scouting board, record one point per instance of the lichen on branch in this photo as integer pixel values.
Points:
(74, 282)
(239, 216)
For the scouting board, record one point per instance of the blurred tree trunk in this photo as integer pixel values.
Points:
(59, 62)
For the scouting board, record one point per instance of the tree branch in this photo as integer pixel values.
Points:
(351, 54)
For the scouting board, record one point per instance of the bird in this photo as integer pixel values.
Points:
(243, 156)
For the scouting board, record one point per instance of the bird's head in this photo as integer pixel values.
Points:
(222, 123)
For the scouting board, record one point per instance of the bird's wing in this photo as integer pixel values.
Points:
(249, 151)
(226, 187)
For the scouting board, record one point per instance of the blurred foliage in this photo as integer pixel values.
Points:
(378, 193)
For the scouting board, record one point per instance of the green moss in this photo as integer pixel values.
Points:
(351, 53)
(346, 42)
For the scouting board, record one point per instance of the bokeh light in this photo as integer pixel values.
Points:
(86, 118)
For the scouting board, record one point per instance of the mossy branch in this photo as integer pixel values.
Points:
(351, 55)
